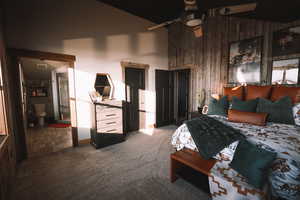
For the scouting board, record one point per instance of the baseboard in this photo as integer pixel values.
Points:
(84, 141)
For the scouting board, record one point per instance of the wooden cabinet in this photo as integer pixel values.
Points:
(107, 123)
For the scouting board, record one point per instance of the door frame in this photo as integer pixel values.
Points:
(16, 54)
(145, 67)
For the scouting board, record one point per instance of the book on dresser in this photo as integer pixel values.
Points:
(108, 123)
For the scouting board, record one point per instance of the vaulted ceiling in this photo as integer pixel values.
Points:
(159, 11)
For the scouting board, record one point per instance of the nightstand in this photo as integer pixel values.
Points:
(195, 114)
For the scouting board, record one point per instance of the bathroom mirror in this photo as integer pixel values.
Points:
(103, 85)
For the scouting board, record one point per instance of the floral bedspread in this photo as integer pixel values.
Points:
(284, 178)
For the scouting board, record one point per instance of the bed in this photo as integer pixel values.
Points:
(284, 175)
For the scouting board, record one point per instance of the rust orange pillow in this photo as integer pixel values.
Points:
(234, 91)
(247, 117)
(254, 91)
(281, 91)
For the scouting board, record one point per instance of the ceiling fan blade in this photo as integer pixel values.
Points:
(163, 24)
(229, 10)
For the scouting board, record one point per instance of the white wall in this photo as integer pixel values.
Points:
(98, 35)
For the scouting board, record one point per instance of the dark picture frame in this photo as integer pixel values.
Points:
(286, 41)
(286, 71)
(245, 60)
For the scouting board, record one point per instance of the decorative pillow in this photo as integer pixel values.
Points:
(254, 92)
(296, 114)
(218, 107)
(247, 117)
(227, 153)
(252, 162)
(281, 91)
(247, 106)
(280, 111)
(234, 92)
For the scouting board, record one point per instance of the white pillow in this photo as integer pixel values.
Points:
(296, 114)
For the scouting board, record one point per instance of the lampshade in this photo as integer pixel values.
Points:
(192, 18)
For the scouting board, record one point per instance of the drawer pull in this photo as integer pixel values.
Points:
(111, 130)
(110, 115)
(111, 123)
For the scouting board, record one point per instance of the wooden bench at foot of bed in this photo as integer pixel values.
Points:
(189, 165)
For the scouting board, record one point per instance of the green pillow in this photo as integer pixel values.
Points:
(245, 106)
(252, 162)
(218, 107)
(280, 111)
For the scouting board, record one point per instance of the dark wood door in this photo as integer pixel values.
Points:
(164, 84)
(134, 81)
(183, 84)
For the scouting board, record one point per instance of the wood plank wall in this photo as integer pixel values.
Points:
(208, 56)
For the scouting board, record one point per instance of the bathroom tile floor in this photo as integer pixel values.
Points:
(44, 140)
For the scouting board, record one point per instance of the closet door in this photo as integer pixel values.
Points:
(135, 81)
(182, 91)
(164, 83)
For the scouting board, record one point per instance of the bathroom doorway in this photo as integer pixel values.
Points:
(46, 114)
(45, 105)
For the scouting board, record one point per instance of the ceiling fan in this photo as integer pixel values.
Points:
(192, 17)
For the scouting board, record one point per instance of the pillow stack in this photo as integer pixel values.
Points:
(258, 104)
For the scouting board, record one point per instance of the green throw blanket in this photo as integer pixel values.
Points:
(211, 136)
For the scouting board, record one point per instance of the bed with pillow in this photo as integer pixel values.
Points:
(262, 156)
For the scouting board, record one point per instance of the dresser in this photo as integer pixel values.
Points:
(108, 126)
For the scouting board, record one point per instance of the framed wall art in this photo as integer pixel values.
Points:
(286, 41)
(245, 61)
(285, 71)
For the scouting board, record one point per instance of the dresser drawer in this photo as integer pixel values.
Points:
(109, 114)
(116, 105)
(110, 122)
(111, 129)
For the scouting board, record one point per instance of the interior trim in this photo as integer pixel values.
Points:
(41, 55)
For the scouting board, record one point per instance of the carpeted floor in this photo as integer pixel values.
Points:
(137, 169)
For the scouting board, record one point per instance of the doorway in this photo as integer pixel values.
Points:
(45, 101)
(135, 84)
(172, 96)
(46, 106)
